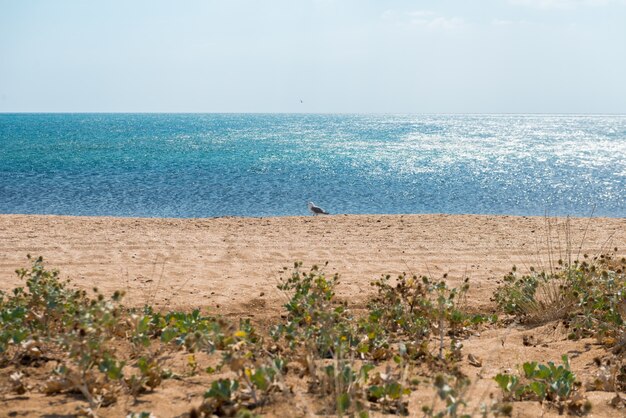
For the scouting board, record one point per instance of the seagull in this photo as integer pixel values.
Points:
(316, 210)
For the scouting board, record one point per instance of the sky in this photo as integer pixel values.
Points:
(317, 56)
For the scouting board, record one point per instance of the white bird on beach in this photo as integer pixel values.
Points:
(316, 210)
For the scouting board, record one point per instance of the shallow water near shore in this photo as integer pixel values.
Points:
(205, 165)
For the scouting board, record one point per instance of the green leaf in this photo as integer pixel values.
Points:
(112, 368)
(168, 334)
(365, 370)
(343, 402)
(376, 392)
(503, 381)
(222, 389)
(529, 369)
(394, 390)
(143, 325)
(20, 335)
(539, 389)
(543, 372)
(142, 364)
(259, 380)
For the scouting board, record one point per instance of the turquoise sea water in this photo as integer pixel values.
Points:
(204, 165)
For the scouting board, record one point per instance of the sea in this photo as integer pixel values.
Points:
(212, 165)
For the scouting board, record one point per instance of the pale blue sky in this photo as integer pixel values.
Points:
(539, 56)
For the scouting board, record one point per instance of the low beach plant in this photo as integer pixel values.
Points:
(403, 319)
(252, 387)
(449, 400)
(149, 375)
(339, 351)
(221, 399)
(193, 331)
(537, 297)
(49, 315)
(354, 388)
(589, 295)
(258, 375)
(389, 390)
(403, 309)
(556, 385)
(315, 320)
(415, 310)
(92, 336)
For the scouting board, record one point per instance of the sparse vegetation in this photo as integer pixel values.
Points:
(589, 295)
(408, 338)
(556, 385)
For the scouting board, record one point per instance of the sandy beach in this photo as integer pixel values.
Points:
(313, 209)
(231, 266)
(229, 262)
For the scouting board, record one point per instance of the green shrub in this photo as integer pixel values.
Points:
(450, 390)
(415, 310)
(550, 383)
(589, 295)
(314, 320)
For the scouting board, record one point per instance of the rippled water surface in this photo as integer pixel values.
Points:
(202, 165)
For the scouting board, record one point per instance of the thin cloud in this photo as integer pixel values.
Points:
(425, 19)
(508, 22)
(564, 4)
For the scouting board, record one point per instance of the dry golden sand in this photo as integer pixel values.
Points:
(232, 265)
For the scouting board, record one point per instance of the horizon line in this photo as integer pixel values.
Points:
(304, 113)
